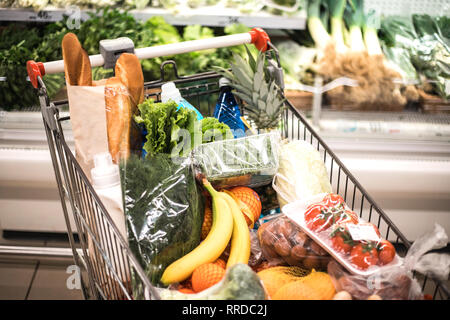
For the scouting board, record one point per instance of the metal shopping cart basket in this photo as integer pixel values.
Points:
(101, 253)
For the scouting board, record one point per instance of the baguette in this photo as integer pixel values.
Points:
(129, 73)
(77, 66)
(118, 118)
(128, 69)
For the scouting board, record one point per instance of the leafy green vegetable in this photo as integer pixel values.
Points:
(163, 208)
(213, 129)
(428, 49)
(355, 19)
(170, 129)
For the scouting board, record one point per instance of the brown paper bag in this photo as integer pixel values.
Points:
(88, 120)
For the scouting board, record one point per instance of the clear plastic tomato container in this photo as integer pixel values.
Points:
(326, 217)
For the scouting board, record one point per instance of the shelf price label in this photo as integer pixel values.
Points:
(41, 16)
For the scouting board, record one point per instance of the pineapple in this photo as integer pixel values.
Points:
(254, 86)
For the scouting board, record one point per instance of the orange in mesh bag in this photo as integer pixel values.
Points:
(315, 286)
(249, 202)
(275, 277)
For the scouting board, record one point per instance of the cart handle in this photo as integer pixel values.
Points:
(256, 36)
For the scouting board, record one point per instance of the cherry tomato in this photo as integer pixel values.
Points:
(332, 199)
(346, 216)
(318, 218)
(364, 255)
(386, 252)
(341, 239)
(313, 210)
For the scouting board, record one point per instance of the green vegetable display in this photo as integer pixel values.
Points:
(22, 42)
(421, 39)
(164, 210)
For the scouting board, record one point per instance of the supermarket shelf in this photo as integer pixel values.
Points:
(205, 16)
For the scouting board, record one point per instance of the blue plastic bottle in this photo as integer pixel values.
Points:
(227, 109)
(170, 92)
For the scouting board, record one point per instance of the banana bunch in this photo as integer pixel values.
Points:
(228, 223)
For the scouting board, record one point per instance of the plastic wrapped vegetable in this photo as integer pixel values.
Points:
(282, 241)
(397, 282)
(301, 173)
(163, 208)
(250, 161)
(355, 244)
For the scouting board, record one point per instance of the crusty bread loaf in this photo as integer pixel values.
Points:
(118, 118)
(77, 66)
(129, 73)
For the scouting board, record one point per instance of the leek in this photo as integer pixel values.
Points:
(371, 34)
(337, 8)
(354, 16)
(316, 28)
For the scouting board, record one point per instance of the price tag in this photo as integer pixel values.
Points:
(360, 232)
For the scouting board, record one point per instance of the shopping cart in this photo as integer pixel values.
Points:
(101, 253)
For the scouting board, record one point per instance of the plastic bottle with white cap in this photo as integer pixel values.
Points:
(170, 92)
(106, 182)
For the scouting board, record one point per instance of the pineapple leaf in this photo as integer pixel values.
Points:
(241, 77)
(260, 63)
(243, 65)
(257, 80)
(255, 98)
(244, 97)
(263, 90)
(252, 112)
(261, 105)
(251, 59)
(242, 89)
(225, 73)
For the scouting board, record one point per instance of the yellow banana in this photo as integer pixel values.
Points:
(210, 249)
(240, 239)
(243, 207)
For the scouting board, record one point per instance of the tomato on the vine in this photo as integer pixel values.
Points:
(332, 199)
(386, 252)
(364, 255)
(341, 239)
(318, 218)
(346, 216)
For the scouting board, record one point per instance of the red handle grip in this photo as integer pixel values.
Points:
(34, 70)
(260, 39)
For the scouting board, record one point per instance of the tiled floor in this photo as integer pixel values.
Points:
(35, 278)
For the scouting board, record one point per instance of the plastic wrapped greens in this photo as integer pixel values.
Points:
(163, 208)
(250, 161)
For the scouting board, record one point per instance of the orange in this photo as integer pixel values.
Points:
(206, 276)
(186, 290)
(221, 263)
(250, 199)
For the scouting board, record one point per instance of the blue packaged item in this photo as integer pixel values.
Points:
(227, 110)
(144, 140)
(170, 92)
